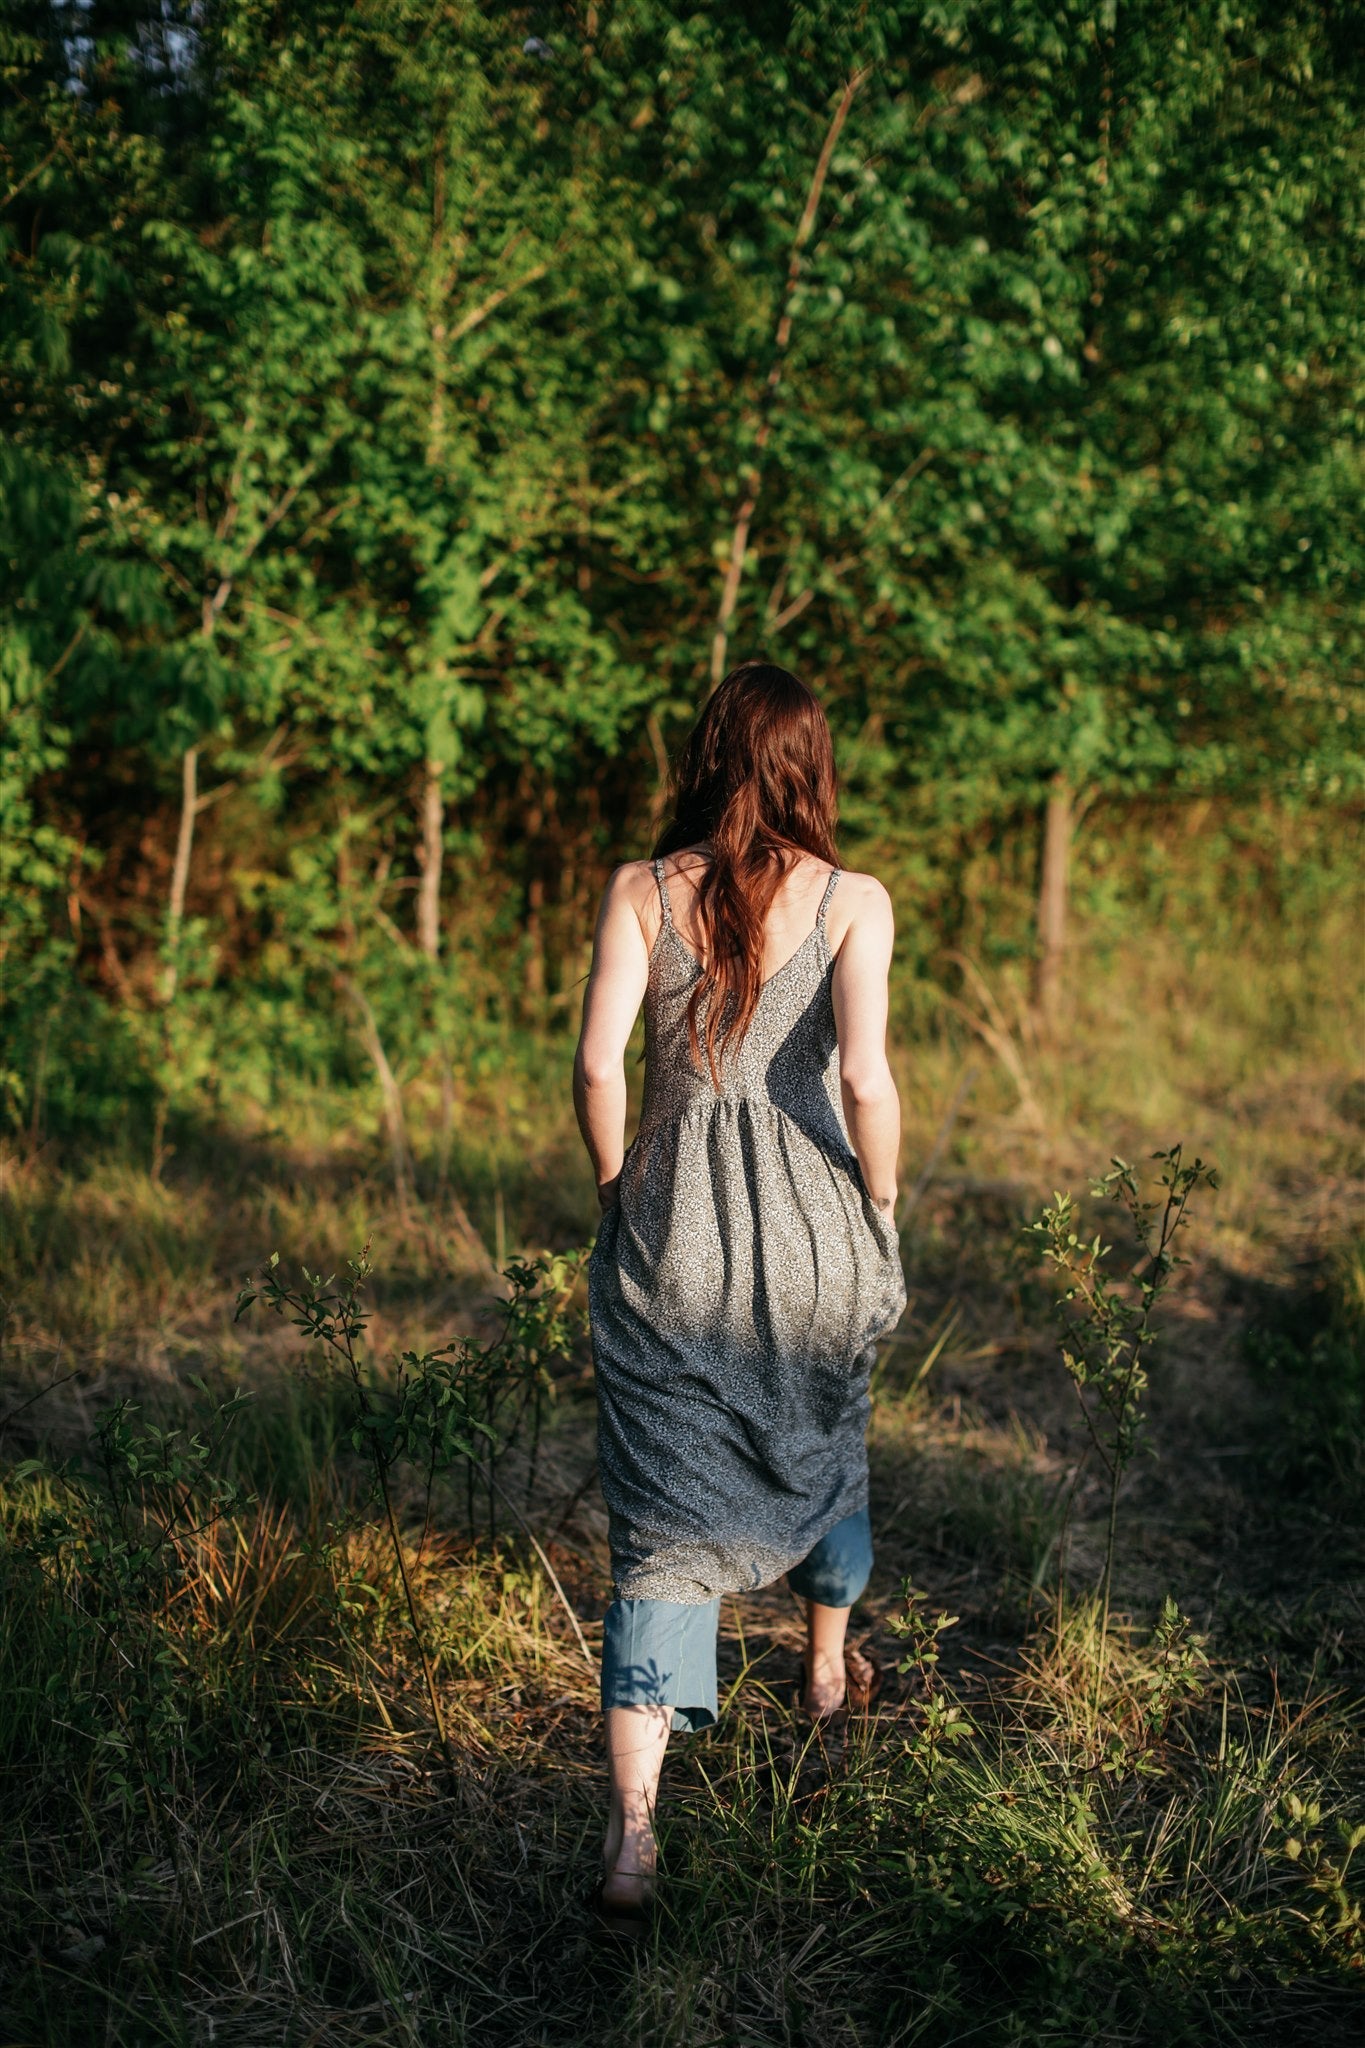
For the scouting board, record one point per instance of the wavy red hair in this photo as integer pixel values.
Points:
(755, 784)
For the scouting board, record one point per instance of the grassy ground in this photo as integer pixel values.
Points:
(227, 1817)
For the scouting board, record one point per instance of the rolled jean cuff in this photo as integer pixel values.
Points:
(662, 1653)
(838, 1568)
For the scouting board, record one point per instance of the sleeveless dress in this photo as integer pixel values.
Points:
(737, 1291)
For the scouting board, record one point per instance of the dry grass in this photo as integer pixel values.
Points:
(285, 1859)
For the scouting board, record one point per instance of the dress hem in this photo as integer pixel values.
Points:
(627, 1589)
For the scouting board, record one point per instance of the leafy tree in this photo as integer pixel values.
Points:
(1084, 522)
(412, 413)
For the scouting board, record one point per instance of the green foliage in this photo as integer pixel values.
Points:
(942, 1721)
(384, 397)
(921, 1631)
(223, 1748)
(119, 1538)
(1176, 1671)
(462, 1402)
(1110, 1325)
(1325, 1858)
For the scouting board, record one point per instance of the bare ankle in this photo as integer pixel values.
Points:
(637, 1856)
(630, 1846)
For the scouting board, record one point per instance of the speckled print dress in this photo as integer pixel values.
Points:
(737, 1292)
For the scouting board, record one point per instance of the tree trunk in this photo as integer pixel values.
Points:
(658, 803)
(429, 894)
(180, 873)
(390, 1097)
(429, 939)
(1058, 826)
(535, 943)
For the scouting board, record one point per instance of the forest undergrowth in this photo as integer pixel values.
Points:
(230, 1813)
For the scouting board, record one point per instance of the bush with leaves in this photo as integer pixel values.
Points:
(119, 1541)
(461, 1403)
(1110, 1323)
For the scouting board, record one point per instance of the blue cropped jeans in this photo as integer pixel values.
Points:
(662, 1653)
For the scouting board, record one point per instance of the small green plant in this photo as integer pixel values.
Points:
(119, 1542)
(942, 1721)
(1339, 1917)
(460, 1403)
(1110, 1323)
(1174, 1674)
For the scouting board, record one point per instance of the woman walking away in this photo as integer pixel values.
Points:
(747, 1261)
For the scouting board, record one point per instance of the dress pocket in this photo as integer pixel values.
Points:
(606, 1231)
(882, 1222)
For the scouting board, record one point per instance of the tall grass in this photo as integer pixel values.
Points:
(226, 1815)
(1116, 1846)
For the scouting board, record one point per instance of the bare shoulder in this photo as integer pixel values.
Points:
(631, 897)
(864, 891)
(861, 904)
(863, 896)
(633, 882)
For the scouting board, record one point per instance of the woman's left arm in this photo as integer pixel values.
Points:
(611, 1003)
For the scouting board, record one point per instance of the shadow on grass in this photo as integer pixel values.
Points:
(225, 1821)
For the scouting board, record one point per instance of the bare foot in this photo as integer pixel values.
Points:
(625, 1889)
(631, 1860)
(827, 1686)
(861, 1675)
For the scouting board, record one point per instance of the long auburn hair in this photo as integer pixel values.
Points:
(755, 781)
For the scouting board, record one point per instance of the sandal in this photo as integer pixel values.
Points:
(626, 1924)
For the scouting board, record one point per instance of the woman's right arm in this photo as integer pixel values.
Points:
(611, 1003)
(872, 1108)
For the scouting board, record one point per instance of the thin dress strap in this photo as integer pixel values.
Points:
(658, 868)
(824, 903)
